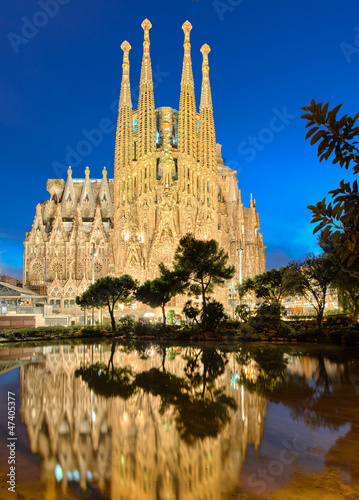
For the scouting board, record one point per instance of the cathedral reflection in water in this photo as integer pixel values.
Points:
(131, 449)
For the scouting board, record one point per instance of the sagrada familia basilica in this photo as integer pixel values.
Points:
(169, 180)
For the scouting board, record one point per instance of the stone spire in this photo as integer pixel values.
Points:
(146, 121)
(207, 135)
(167, 163)
(187, 121)
(124, 132)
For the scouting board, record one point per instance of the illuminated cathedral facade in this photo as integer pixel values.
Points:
(169, 180)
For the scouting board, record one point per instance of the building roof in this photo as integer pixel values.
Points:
(12, 291)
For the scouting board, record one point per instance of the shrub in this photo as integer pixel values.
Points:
(351, 336)
(213, 316)
(149, 329)
(246, 331)
(334, 335)
(127, 320)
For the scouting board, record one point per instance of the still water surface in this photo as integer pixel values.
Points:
(147, 421)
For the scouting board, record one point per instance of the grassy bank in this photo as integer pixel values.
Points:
(337, 329)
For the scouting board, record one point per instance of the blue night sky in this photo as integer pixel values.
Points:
(268, 58)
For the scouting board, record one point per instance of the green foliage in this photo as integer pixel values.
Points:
(172, 317)
(336, 136)
(243, 311)
(159, 291)
(270, 286)
(268, 317)
(149, 329)
(339, 218)
(191, 312)
(203, 264)
(107, 292)
(312, 277)
(346, 281)
(213, 315)
(127, 320)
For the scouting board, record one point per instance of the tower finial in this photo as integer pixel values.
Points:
(146, 25)
(125, 95)
(205, 49)
(206, 97)
(186, 26)
(126, 47)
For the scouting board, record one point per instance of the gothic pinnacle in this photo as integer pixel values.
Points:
(146, 25)
(187, 122)
(146, 70)
(146, 121)
(207, 135)
(125, 95)
(206, 97)
(126, 47)
(187, 75)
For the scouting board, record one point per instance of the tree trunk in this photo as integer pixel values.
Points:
(113, 321)
(163, 314)
(110, 362)
(203, 299)
(320, 316)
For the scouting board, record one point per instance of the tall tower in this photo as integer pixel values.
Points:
(187, 120)
(208, 186)
(169, 180)
(123, 177)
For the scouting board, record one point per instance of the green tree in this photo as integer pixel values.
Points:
(312, 277)
(243, 311)
(346, 281)
(213, 315)
(109, 291)
(172, 317)
(340, 217)
(191, 312)
(270, 286)
(204, 265)
(159, 291)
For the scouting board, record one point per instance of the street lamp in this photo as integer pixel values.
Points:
(93, 277)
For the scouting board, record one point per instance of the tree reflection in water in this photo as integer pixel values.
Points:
(201, 408)
(314, 402)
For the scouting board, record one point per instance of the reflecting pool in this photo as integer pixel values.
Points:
(148, 421)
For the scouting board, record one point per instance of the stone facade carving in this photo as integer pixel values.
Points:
(169, 179)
